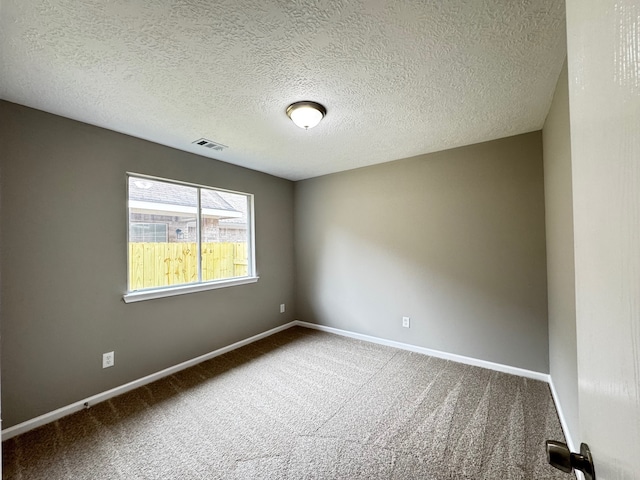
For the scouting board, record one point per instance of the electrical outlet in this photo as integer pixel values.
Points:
(406, 322)
(108, 360)
(282, 308)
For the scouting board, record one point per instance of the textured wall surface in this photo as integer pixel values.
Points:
(561, 279)
(604, 96)
(398, 78)
(64, 264)
(455, 240)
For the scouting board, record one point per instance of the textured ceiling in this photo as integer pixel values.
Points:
(398, 78)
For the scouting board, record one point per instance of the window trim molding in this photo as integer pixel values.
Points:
(161, 292)
(150, 294)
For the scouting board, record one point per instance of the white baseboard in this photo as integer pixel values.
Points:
(543, 377)
(565, 427)
(563, 421)
(101, 397)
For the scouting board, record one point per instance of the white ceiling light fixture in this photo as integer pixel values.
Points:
(306, 114)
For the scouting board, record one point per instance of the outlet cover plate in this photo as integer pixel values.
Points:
(108, 360)
(406, 322)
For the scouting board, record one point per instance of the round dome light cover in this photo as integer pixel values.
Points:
(306, 114)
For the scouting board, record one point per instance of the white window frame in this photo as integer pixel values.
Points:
(199, 286)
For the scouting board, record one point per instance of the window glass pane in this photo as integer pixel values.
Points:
(225, 235)
(163, 242)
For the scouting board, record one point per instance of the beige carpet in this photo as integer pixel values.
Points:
(303, 404)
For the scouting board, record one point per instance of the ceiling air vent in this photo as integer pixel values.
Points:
(209, 144)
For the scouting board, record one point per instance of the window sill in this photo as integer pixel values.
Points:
(142, 295)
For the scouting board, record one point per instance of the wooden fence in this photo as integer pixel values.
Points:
(161, 264)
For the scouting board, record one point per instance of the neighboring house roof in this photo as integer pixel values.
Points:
(168, 193)
(239, 203)
(149, 196)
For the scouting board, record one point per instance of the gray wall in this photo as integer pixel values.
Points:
(454, 239)
(556, 140)
(64, 263)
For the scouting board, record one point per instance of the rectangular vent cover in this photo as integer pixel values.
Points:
(210, 144)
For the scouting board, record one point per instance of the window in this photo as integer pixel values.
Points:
(184, 238)
(147, 232)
